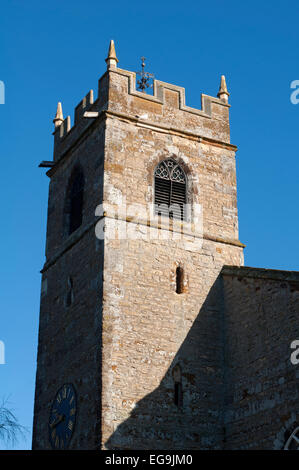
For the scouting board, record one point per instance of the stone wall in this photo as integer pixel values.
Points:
(147, 327)
(132, 153)
(261, 321)
(69, 349)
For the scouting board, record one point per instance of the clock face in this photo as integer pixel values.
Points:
(63, 417)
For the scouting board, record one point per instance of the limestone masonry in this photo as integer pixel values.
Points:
(168, 340)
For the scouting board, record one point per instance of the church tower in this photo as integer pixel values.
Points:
(142, 216)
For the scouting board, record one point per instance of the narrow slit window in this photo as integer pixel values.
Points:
(170, 190)
(179, 280)
(178, 394)
(178, 389)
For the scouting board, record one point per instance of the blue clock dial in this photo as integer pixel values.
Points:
(63, 417)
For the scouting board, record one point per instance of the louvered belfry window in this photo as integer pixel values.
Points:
(170, 190)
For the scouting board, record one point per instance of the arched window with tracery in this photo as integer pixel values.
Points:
(74, 202)
(170, 190)
(293, 441)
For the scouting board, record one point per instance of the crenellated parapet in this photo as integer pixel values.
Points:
(65, 134)
(171, 95)
(165, 108)
(83, 106)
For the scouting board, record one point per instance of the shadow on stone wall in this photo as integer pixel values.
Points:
(186, 416)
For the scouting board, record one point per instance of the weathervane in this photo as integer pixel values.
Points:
(143, 83)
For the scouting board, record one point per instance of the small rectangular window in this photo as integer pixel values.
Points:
(178, 394)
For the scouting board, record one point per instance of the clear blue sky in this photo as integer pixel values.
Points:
(53, 51)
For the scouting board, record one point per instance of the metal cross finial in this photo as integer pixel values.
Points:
(145, 77)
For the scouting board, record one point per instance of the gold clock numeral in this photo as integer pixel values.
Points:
(72, 399)
(59, 398)
(70, 425)
(72, 411)
(64, 392)
(57, 441)
(53, 434)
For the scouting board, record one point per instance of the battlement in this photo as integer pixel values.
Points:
(169, 94)
(65, 133)
(83, 106)
(165, 109)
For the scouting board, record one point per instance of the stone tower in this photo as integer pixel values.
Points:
(131, 330)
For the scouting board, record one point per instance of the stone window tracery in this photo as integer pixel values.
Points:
(170, 190)
(293, 441)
